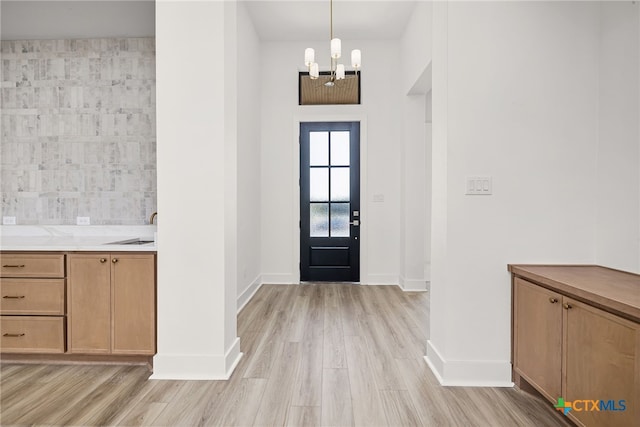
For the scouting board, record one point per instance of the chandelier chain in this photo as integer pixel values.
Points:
(331, 18)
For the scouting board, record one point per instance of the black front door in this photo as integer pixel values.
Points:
(330, 201)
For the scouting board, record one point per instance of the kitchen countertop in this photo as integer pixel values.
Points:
(76, 238)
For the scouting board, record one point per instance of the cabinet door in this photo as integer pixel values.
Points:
(89, 307)
(133, 304)
(602, 363)
(537, 324)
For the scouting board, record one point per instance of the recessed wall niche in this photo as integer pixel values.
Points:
(78, 130)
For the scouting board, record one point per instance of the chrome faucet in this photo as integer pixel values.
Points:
(153, 216)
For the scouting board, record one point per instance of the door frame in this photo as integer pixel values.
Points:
(364, 211)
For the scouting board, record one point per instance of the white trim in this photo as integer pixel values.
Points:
(427, 272)
(412, 284)
(301, 117)
(382, 279)
(468, 373)
(232, 358)
(248, 293)
(280, 279)
(197, 366)
(435, 361)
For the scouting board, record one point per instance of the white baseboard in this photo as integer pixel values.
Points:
(279, 279)
(381, 279)
(468, 373)
(232, 358)
(412, 284)
(248, 293)
(197, 366)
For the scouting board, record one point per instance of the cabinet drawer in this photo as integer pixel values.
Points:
(32, 296)
(32, 334)
(32, 265)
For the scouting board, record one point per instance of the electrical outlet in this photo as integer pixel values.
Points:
(8, 220)
(83, 220)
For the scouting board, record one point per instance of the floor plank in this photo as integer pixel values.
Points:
(304, 416)
(336, 398)
(399, 409)
(277, 396)
(367, 407)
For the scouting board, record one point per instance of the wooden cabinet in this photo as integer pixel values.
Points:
(112, 304)
(89, 303)
(133, 304)
(41, 297)
(537, 343)
(576, 336)
(32, 303)
(32, 265)
(32, 334)
(602, 354)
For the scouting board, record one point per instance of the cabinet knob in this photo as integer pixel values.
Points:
(103, 260)
(553, 300)
(114, 260)
(567, 305)
(13, 297)
(13, 335)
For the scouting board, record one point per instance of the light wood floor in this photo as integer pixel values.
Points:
(325, 354)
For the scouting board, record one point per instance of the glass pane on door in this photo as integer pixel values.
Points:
(340, 188)
(319, 224)
(340, 148)
(339, 219)
(319, 184)
(318, 148)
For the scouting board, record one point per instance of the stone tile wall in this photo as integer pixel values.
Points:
(78, 131)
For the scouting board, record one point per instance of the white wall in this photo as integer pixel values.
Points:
(618, 188)
(196, 144)
(414, 192)
(416, 149)
(514, 97)
(381, 141)
(416, 44)
(249, 94)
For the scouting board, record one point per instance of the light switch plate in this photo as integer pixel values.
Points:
(83, 220)
(8, 220)
(378, 198)
(479, 185)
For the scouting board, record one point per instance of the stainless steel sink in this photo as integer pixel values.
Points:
(136, 241)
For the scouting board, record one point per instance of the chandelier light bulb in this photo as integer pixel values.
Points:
(314, 71)
(356, 58)
(340, 72)
(336, 48)
(309, 56)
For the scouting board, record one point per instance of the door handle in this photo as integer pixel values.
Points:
(355, 223)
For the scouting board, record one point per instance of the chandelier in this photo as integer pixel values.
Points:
(337, 70)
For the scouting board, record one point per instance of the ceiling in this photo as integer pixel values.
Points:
(274, 20)
(309, 19)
